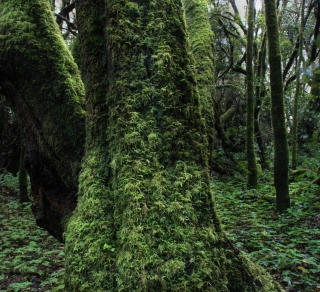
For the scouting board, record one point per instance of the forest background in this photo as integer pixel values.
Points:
(282, 237)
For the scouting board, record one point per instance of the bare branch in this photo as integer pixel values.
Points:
(61, 16)
(71, 25)
(295, 50)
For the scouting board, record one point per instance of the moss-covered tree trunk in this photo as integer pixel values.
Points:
(260, 94)
(23, 176)
(297, 93)
(42, 84)
(145, 219)
(281, 153)
(201, 40)
(251, 157)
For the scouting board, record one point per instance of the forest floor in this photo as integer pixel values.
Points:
(30, 258)
(288, 246)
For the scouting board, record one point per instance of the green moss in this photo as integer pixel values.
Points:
(201, 40)
(281, 153)
(44, 82)
(145, 219)
(251, 158)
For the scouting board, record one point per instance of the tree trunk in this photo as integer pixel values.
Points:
(281, 153)
(260, 94)
(297, 94)
(220, 120)
(42, 84)
(251, 157)
(9, 140)
(314, 104)
(145, 219)
(202, 47)
(23, 176)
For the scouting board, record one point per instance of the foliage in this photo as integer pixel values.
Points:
(287, 245)
(30, 259)
(10, 181)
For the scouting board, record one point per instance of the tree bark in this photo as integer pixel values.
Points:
(201, 40)
(145, 219)
(260, 94)
(314, 104)
(23, 176)
(43, 86)
(297, 93)
(251, 157)
(281, 153)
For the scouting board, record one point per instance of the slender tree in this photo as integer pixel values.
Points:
(281, 153)
(297, 93)
(260, 93)
(251, 157)
(145, 219)
(23, 176)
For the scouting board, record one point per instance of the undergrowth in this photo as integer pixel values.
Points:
(287, 245)
(30, 259)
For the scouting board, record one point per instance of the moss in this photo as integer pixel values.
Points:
(43, 83)
(297, 93)
(259, 170)
(201, 40)
(260, 92)
(281, 152)
(251, 158)
(145, 219)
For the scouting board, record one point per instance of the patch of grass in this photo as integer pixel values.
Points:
(287, 245)
(30, 259)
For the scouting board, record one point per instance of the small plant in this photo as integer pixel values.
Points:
(26, 251)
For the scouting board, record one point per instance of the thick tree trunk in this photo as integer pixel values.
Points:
(145, 219)
(281, 153)
(251, 157)
(42, 83)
